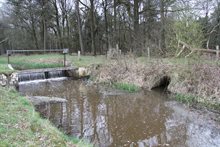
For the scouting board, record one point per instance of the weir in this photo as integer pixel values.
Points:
(43, 74)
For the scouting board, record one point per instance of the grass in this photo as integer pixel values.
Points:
(21, 126)
(126, 87)
(37, 61)
(21, 62)
(197, 101)
(4, 69)
(188, 99)
(87, 60)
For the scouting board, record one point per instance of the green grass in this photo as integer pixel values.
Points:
(197, 101)
(21, 62)
(126, 87)
(188, 99)
(26, 65)
(87, 60)
(37, 61)
(4, 69)
(21, 126)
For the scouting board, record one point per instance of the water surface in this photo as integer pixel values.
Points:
(111, 118)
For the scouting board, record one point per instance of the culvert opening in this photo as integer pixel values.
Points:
(162, 83)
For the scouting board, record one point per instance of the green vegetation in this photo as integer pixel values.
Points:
(197, 101)
(20, 125)
(188, 99)
(87, 60)
(126, 87)
(4, 69)
(187, 30)
(21, 62)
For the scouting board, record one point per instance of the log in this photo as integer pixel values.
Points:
(3, 40)
(192, 50)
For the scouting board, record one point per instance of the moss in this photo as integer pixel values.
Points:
(126, 87)
(188, 99)
(21, 126)
(192, 100)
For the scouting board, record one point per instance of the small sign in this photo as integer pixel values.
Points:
(9, 52)
(65, 51)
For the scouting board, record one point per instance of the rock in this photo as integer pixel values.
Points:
(13, 79)
(83, 72)
(3, 80)
(42, 100)
(79, 73)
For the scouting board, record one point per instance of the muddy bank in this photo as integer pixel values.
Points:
(197, 80)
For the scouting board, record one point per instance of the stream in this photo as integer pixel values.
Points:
(111, 118)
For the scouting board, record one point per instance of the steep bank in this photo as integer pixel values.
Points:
(20, 125)
(199, 82)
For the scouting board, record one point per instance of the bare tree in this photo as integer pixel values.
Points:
(79, 26)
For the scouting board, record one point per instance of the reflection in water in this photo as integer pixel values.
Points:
(110, 118)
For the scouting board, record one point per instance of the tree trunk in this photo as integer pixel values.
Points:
(162, 31)
(136, 26)
(136, 16)
(115, 16)
(218, 22)
(45, 35)
(106, 24)
(79, 27)
(34, 34)
(58, 23)
(92, 27)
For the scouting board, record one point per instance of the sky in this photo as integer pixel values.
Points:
(1, 1)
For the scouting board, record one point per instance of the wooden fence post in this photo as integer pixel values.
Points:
(9, 52)
(217, 52)
(64, 60)
(78, 55)
(148, 52)
(65, 51)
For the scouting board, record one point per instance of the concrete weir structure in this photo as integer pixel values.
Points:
(42, 74)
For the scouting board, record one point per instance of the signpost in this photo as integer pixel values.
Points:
(9, 54)
(65, 51)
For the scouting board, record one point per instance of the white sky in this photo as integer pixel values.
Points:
(1, 1)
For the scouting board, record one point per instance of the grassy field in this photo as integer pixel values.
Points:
(87, 60)
(21, 126)
(21, 62)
